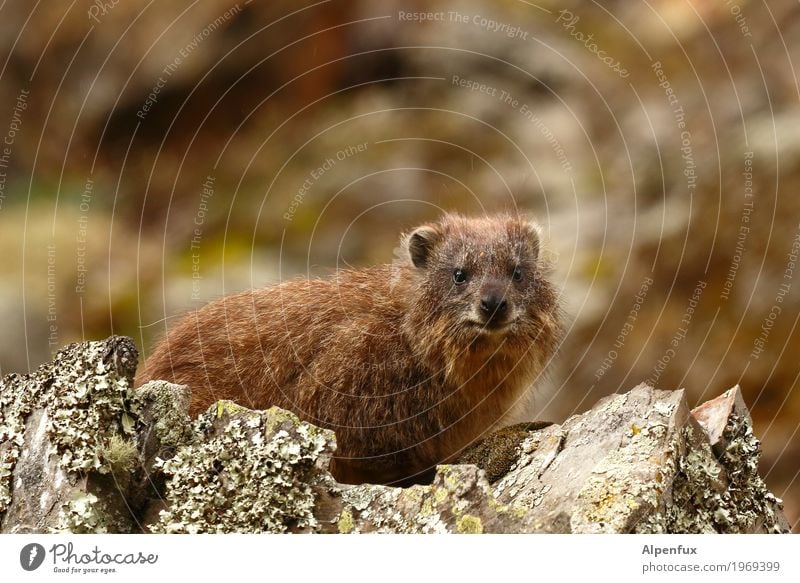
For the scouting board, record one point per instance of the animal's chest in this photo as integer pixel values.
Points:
(462, 412)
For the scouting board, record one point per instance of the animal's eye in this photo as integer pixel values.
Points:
(517, 273)
(459, 276)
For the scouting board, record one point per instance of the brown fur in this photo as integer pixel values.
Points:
(387, 357)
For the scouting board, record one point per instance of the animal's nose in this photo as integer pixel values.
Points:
(494, 305)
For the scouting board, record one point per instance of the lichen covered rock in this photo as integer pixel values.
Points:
(244, 471)
(640, 462)
(66, 434)
(459, 500)
(81, 451)
(746, 505)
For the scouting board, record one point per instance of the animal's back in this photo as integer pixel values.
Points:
(277, 345)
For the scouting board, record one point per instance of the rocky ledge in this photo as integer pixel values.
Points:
(80, 451)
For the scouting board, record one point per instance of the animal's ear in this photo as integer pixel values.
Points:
(533, 234)
(420, 243)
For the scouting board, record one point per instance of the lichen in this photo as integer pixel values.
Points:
(717, 495)
(84, 514)
(516, 511)
(121, 454)
(754, 502)
(459, 500)
(88, 406)
(168, 408)
(16, 403)
(229, 408)
(469, 524)
(87, 391)
(246, 473)
(379, 507)
(345, 522)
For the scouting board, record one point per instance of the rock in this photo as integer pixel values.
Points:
(459, 500)
(727, 423)
(717, 415)
(78, 445)
(66, 441)
(162, 425)
(163, 419)
(246, 471)
(640, 462)
(82, 452)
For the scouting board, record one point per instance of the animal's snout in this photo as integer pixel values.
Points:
(493, 304)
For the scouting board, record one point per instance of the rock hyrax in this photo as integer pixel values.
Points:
(408, 363)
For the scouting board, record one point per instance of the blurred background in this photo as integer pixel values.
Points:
(156, 156)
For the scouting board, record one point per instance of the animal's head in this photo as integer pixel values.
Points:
(480, 276)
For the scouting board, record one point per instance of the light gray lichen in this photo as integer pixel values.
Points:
(249, 473)
(87, 392)
(168, 406)
(84, 514)
(755, 505)
(698, 489)
(15, 406)
(687, 468)
(90, 404)
(711, 495)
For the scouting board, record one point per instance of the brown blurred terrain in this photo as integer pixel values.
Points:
(155, 156)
